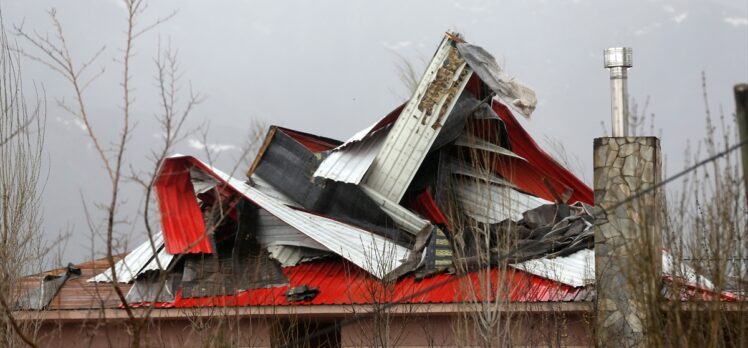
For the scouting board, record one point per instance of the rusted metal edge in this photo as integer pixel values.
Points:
(261, 152)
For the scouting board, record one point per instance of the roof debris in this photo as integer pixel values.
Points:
(401, 197)
(441, 181)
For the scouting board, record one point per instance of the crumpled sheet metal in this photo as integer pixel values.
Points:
(153, 288)
(134, 263)
(508, 89)
(491, 203)
(351, 163)
(420, 123)
(577, 269)
(40, 297)
(336, 200)
(375, 254)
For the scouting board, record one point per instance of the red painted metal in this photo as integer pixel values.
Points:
(541, 164)
(312, 142)
(181, 218)
(423, 203)
(342, 283)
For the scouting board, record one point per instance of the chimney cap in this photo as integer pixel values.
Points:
(618, 57)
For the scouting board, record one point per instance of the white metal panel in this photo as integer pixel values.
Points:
(684, 272)
(577, 269)
(349, 162)
(482, 174)
(373, 253)
(408, 142)
(272, 230)
(293, 255)
(403, 217)
(494, 203)
(164, 259)
(128, 268)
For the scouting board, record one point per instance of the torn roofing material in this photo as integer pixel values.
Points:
(340, 201)
(577, 269)
(374, 253)
(492, 203)
(419, 124)
(542, 165)
(506, 88)
(39, 298)
(138, 261)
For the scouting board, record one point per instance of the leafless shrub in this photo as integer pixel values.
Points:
(21, 146)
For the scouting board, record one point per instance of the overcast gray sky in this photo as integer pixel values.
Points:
(329, 68)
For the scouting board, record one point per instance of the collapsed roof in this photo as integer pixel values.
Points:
(445, 184)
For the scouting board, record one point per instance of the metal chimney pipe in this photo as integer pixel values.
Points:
(618, 60)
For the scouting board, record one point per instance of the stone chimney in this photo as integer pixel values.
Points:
(628, 258)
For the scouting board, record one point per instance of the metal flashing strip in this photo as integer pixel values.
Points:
(133, 264)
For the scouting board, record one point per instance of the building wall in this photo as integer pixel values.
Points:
(413, 330)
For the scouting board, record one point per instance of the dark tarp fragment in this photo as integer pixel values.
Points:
(154, 287)
(289, 167)
(39, 298)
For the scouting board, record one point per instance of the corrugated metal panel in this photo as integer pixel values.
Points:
(292, 255)
(374, 128)
(483, 174)
(349, 164)
(272, 230)
(163, 257)
(493, 203)
(369, 251)
(577, 269)
(419, 124)
(181, 219)
(128, 268)
(341, 283)
(684, 273)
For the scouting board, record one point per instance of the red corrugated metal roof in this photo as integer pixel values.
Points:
(181, 218)
(342, 283)
(543, 165)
